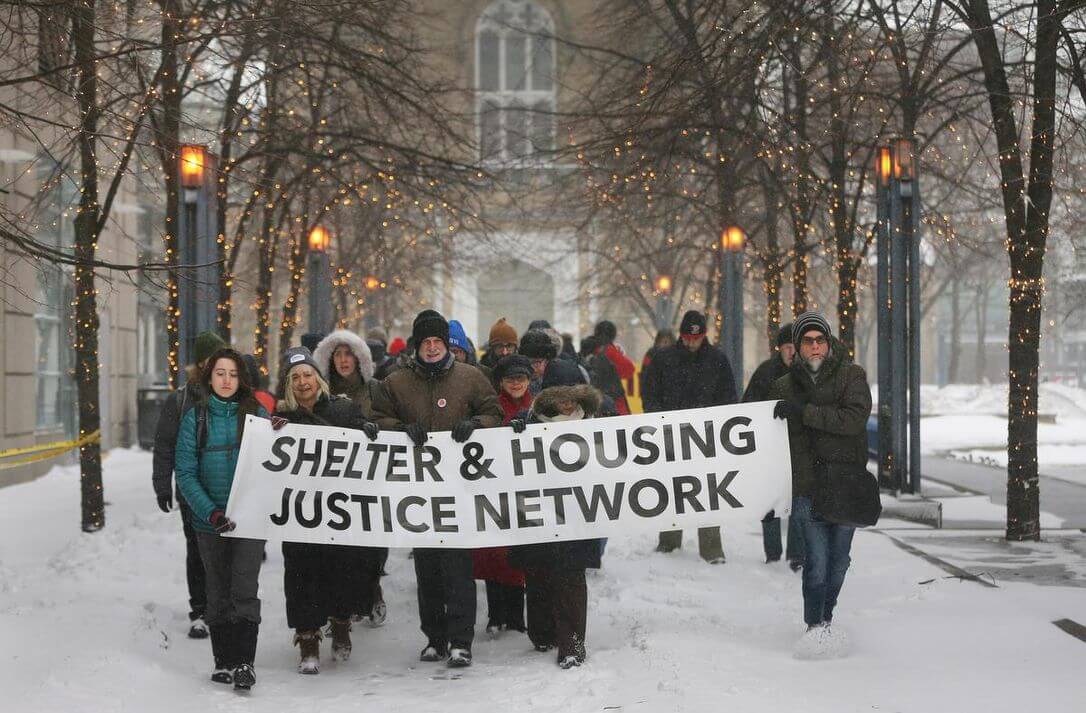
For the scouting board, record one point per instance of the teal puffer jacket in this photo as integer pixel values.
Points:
(205, 478)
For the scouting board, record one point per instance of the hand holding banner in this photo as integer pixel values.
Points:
(556, 481)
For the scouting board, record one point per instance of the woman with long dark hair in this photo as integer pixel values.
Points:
(208, 441)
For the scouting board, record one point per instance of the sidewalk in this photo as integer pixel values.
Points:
(1062, 498)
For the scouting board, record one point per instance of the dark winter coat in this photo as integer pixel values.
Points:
(322, 580)
(169, 421)
(437, 400)
(678, 379)
(603, 375)
(834, 423)
(761, 381)
(205, 475)
(569, 554)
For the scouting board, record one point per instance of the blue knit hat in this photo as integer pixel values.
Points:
(458, 338)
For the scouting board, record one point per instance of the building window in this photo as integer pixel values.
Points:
(54, 205)
(515, 79)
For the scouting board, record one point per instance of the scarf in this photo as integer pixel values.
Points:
(577, 415)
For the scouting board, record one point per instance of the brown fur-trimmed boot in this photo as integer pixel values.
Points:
(309, 643)
(341, 639)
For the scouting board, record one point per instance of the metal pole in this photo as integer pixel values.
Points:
(910, 222)
(736, 259)
(320, 292)
(898, 340)
(882, 247)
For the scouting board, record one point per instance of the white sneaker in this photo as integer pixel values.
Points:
(821, 641)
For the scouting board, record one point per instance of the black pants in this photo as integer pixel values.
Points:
(233, 578)
(446, 590)
(558, 610)
(194, 564)
(505, 605)
(322, 581)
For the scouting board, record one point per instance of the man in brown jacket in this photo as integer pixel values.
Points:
(434, 392)
(826, 400)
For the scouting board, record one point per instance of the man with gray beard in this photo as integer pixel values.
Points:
(826, 400)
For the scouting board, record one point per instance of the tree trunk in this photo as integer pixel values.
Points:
(981, 311)
(954, 363)
(1026, 209)
(771, 277)
(92, 501)
(168, 146)
(299, 254)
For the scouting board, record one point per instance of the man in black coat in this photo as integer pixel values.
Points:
(690, 374)
(758, 388)
(169, 421)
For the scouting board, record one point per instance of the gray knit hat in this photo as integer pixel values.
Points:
(805, 323)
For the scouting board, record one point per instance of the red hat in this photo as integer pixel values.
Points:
(397, 346)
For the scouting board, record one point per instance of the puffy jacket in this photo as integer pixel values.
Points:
(761, 381)
(568, 554)
(205, 475)
(169, 420)
(437, 400)
(339, 410)
(678, 379)
(834, 423)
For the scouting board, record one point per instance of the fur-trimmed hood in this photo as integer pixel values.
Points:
(586, 396)
(323, 353)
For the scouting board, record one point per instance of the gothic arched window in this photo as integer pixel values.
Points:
(514, 79)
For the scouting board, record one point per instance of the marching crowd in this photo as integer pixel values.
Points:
(435, 382)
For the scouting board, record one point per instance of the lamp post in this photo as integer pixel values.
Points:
(883, 176)
(733, 240)
(372, 284)
(898, 248)
(197, 286)
(906, 175)
(320, 280)
(663, 302)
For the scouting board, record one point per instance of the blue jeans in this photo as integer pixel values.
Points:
(771, 539)
(827, 549)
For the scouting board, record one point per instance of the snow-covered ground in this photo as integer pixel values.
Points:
(97, 623)
(968, 422)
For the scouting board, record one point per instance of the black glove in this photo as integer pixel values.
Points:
(278, 422)
(221, 522)
(371, 429)
(518, 425)
(463, 430)
(417, 433)
(790, 409)
(165, 502)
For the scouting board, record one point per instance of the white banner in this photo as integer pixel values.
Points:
(558, 481)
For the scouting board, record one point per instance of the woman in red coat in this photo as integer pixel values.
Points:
(505, 585)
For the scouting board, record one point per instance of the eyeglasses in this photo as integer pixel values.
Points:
(504, 347)
(819, 341)
(539, 362)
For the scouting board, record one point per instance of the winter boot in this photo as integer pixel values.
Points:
(568, 662)
(379, 613)
(434, 651)
(493, 627)
(245, 654)
(220, 648)
(459, 657)
(309, 644)
(197, 628)
(341, 639)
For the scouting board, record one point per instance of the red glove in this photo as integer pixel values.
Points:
(221, 522)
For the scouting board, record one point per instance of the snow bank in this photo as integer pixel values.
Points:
(97, 623)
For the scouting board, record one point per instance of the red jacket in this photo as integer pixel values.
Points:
(492, 563)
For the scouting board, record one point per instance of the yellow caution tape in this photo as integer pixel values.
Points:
(45, 451)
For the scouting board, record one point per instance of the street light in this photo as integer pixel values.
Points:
(733, 240)
(372, 283)
(904, 159)
(193, 162)
(884, 166)
(320, 280)
(319, 239)
(884, 173)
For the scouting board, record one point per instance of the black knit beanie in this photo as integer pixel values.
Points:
(537, 344)
(429, 323)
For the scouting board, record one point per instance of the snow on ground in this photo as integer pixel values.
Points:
(97, 623)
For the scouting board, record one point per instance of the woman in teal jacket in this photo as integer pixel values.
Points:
(207, 453)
